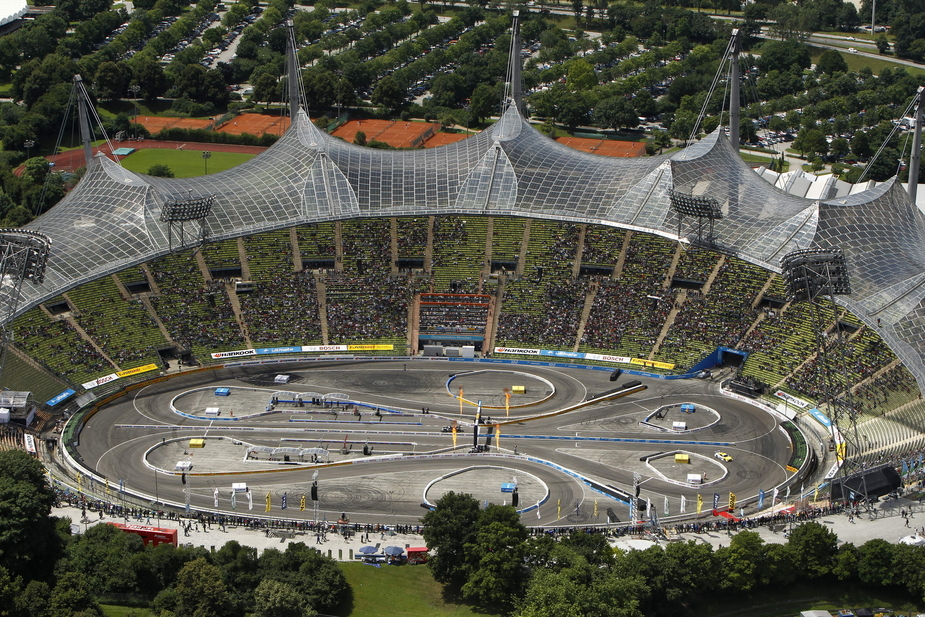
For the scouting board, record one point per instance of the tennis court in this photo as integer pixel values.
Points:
(442, 139)
(397, 133)
(604, 147)
(255, 124)
(156, 124)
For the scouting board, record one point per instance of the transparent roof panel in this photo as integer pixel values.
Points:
(111, 219)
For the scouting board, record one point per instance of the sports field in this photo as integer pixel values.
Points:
(183, 163)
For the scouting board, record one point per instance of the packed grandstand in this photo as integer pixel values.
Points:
(506, 241)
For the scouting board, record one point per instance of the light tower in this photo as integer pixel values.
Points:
(812, 275)
(23, 257)
(181, 212)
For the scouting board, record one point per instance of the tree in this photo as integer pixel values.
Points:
(72, 596)
(266, 87)
(883, 44)
(110, 81)
(581, 590)
(572, 108)
(389, 94)
(447, 89)
(860, 145)
(318, 578)
(360, 138)
(494, 559)
(811, 141)
(102, 555)
(200, 591)
(875, 563)
(276, 599)
(148, 74)
(614, 113)
(29, 543)
(10, 595)
(813, 548)
(831, 62)
(839, 147)
(447, 529)
(160, 170)
(742, 562)
(661, 140)
(782, 55)
(581, 76)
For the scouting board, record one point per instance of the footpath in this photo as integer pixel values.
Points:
(888, 525)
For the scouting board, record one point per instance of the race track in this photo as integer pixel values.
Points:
(555, 459)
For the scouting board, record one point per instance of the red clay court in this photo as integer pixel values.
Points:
(255, 124)
(604, 147)
(155, 124)
(397, 133)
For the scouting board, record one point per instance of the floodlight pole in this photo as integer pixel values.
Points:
(23, 257)
(810, 274)
(916, 158)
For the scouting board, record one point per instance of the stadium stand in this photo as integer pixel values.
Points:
(122, 328)
(570, 287)
(459, 253)
(198, 316)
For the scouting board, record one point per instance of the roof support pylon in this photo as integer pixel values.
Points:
(514, 68)
(734, 114)
(292, 70)
(82, 119)
(916, 158)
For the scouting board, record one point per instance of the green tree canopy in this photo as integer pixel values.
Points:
(29, 542)
(447, 529)
(494, 559)
(200, 591)
(73, 596)
(831, 62)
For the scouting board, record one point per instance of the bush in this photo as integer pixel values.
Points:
(160, 171)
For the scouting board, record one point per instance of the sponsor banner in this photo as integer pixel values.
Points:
(136, 370)
(267, 350)
(792, 469)
(370, 347)
(99, 381)
(60, 397)
(652, 363)
(234, 354)
(528, 352)
(29, 442)
(606, 358)
(791, 399)
(324, 348)
(820, 417)
(561, 354)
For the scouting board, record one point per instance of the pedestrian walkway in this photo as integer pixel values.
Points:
(889, 525)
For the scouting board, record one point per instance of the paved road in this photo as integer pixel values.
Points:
(604, 442)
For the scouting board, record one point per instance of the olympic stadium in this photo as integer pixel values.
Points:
(338, 292)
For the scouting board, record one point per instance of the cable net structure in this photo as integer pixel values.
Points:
(114, 218)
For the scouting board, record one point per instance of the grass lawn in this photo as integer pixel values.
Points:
(398, 591)
(754, 158)
(793, 599)
(111, 610)
(183, 163)
(856, 62)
